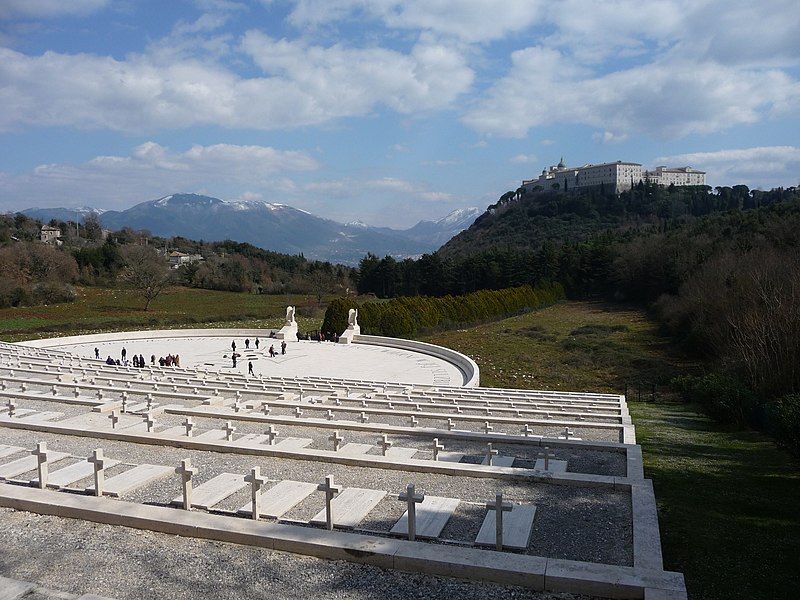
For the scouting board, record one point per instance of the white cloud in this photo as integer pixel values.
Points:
(152, 171)
(466, 20)
(664, 99)
(763, 167)
(49, 9)
(524, 159)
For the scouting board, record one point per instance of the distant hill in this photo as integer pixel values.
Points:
(276, 227)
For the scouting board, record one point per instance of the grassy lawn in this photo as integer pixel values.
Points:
(99, 309)
(728, 501)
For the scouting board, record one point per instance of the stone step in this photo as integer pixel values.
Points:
(75, 472)
(554, 466)
(293, 443)
(499, 461)
(27, 463)
(214, 490)
(350, 507)
(211, 435)
(9, 450)
(517, 526)
(281, 498)
(132, 479)
(398, 453)
(432, 515)
(354, 449)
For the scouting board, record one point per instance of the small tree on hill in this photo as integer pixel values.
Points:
(145, 271)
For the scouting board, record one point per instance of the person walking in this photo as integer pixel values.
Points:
(250, 368)
(283, 347)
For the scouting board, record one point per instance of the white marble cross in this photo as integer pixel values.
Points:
(412, 499)
(98, 461)
(336, 439)
(149, 401)
(266, 409)
(414, 421)
(547, 455)
(41, 454)
(567, 433)
(114, 419)
(487, 427)
(385, 444)
(527, 430)
(330, 491)
(437, 447)
(298, 412)
(329, 415)
(12, 407)
(149, 421)
(76, 392)
(186, 472)
(450, 425)
(490, 453)
(256, 481)
(271, 434)
(54, 391)
(363, 417)
(229, 431)
(124, 402)
(499, 507)
(189, 425)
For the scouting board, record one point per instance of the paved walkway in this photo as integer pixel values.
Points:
(302, 358)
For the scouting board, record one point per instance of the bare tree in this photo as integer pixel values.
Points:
(145, 271)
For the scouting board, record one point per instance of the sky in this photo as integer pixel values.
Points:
(385, 111)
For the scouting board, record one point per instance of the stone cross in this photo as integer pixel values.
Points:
(336, 439)
(54, 391)
(488, 411)
(189, 425)
(99, 394)
(229, 431)
(124, 402)
(391, 406)
(271, 435)
(149, 401)
(499, 507)
(12, 407)
(149, 421)
(337, 401)
(186, 472)
(487, 427)
(298, 412)
(567, 433)
(490, 453)
(98, 461)
(256, 481)
(413, 421)
(76, 392)
(527, 430)
(459, 410)
(329, 415)
(417, 408)
(363, 404)
(437, 447)
(41, 453)
(237, 405)
(412, 499)
(546, 455)
(450, 425)
(363, 417)
(330, 491)
(114, 419)
(266, 409)
(385, 444)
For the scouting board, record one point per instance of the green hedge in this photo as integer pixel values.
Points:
(404, 317)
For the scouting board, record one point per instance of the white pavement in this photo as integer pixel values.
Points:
(302, 358)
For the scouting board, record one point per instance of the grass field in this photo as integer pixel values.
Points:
(728, 501)
(99, 309)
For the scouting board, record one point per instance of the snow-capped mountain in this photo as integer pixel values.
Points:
(276, 227)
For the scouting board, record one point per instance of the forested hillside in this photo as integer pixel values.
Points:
(719, 268)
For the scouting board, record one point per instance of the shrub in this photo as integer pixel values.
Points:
(724, 398)
(782, 419)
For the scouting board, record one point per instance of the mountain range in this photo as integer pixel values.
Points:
(276, 227)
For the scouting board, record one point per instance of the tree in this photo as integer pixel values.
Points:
(145, 271)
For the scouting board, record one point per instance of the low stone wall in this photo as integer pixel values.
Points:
(149, 334)
(464, 363)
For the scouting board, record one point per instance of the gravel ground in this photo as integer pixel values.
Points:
(78, 557)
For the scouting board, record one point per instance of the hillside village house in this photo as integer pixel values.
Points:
(617, 176)
(50, 235)
(176, 259)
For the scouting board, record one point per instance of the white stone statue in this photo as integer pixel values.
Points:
(352, 318)
(290, 315)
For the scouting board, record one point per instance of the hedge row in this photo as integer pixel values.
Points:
(404, 317)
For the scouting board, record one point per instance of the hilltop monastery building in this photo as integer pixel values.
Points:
(617, 175)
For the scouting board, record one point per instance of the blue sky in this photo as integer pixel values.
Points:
(385, 111)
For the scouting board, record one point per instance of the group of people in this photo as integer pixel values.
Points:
(138, 361)
(272, 352)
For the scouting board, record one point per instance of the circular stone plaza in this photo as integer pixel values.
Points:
(376, 468)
